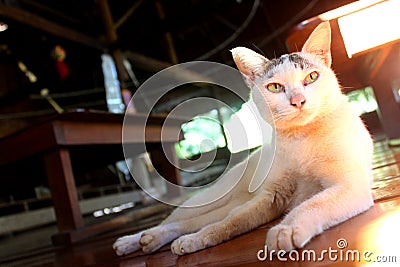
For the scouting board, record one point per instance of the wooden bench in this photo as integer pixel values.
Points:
(53, 139)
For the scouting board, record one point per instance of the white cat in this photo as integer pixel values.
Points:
(321, 172)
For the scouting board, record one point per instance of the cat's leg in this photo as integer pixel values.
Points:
(156, 237)
(177, 224)
(243, 218)
(151, 239)
(329, 207)
(189, 208)
(210, 212)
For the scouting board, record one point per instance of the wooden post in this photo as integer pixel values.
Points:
(167, 35)
(106, 16)
(63, 189)
(161, 154)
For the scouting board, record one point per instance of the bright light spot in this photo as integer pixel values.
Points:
(98, 213)
(347, 9)
(380, 237)
(116, 209)
(370, 27)
(363, 100)
(32, 78)
(243, 130)
(3, 26)
(111, 210)
(194, 138)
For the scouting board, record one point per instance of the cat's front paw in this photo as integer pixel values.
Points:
(287, 237)
(127, 244)
(187, 244)
(155, 238)
(151, 240)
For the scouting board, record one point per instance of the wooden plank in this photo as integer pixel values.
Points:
(26, 143)
(75, 128)
(87, 133)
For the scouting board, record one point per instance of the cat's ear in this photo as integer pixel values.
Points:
(319, 43)
(249, 63)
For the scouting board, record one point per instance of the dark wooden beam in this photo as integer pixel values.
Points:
(47, 9)
(154, 65)
(378, 63)
(106, 16)
(127, 14)
(146, 63)
(169, 41)
(48, 26)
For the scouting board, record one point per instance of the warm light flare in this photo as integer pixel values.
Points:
(348, 9)
(370, 27)
(381, 237)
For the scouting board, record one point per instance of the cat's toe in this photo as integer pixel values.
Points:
(272, 239)
(186, 244)
(301, 236)
(287, 237)
(150, 242)
(126, 244)
(154, 238)
(280, 238)
(146, 239)
(176, 247)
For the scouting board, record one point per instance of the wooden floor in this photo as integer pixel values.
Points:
(373, 235)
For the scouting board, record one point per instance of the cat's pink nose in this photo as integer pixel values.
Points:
(298, 101)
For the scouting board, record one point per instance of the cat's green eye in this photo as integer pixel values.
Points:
(274, 87)
(311, 77)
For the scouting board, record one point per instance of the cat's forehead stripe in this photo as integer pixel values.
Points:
(297, 60)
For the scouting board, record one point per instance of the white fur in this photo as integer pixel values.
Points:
(320, 176)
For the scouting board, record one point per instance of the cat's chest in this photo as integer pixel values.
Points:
(298, 154)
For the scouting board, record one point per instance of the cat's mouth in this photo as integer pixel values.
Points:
(293, 116)
(296, 113)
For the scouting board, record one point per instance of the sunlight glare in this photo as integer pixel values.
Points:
(243, 130)
(370, 27)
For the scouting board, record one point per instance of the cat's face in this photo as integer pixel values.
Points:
(298, 87)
